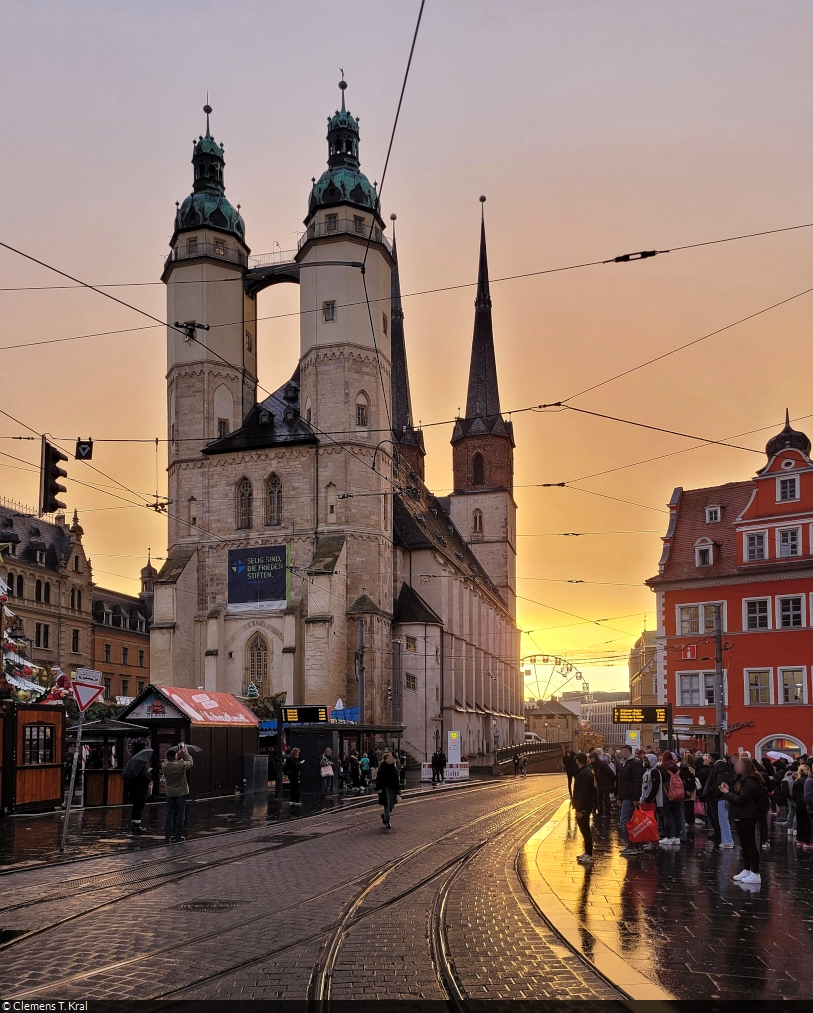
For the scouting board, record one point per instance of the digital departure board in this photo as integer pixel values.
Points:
(639, 715)
(305, 715)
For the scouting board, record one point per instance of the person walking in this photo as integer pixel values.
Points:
(293, 768)
(174, 769)
(605, 783)
(365, 770)
(628, 792)
(571, 767)
(516, 764)
(389, 786)
(137, 779)
(802, 811)
(326, 771)
(745, 797)
(584, 803)
(438, 766)
(523, 765)
(652, 792)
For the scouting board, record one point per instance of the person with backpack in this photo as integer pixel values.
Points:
(584, 803)
(746, 797)
(293, 768)
(676, 786)
(802, 811)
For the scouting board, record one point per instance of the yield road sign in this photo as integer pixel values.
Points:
(86, 694)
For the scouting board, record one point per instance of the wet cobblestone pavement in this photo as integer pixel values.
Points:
(331, 907)
(676, 916)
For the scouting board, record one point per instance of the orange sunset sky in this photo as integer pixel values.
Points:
(594, 129)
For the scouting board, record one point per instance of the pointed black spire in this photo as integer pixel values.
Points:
(483, 396)
(403, 430)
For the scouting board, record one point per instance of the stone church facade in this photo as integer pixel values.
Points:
(331, 466)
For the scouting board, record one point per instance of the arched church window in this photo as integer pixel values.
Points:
(257, 664)
(245, 503)
(20, 586)
(273, 500)
(38, 591)
(362, 411)
(478, 470)
(477, 522)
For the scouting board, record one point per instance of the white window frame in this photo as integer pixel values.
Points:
(780, 687)
(701, 619)
(765, 544)
(746, 672)
(699, 545)
(701, 673)
(787, 478)
(790, 527)
(778, 611)
(745, 627)
(715, 508)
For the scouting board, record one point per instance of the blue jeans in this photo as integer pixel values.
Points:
(674, 819)
(627, 809)
(725, 826)
(327, 785)
(176, 810)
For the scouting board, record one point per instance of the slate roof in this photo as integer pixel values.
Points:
(403, 430)
(411, 608)
(365, 606)
(30, 535)
(175, 564)
(327, 552)
(127, 606)
(271, 423)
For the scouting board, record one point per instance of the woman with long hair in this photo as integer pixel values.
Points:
(745, 798)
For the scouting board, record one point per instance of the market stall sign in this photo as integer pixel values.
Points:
(306, 715)
(639, 715)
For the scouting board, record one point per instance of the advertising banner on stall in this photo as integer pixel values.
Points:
(258, 578)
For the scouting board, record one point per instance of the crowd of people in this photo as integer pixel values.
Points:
(677, 790)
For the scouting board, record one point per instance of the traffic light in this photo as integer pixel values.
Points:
(50, 474)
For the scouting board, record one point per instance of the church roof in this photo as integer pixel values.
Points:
(403, 430)
(271, 423)
(365, 606)
(327, 552)
(175, 564)
(411, 608)
(483, 414)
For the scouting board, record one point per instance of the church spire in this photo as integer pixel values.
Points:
(407, 439)
(483, 400)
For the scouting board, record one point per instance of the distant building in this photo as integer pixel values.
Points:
(643, 668)
(598, 714)
(552, 721)
(121, 638)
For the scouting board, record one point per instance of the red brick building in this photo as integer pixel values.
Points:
(747, 546)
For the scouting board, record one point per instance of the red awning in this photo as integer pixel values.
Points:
(204, 708)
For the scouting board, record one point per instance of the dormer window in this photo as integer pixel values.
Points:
(787, 489)
(264, 416)
(712, 515)
(40, 557)
(704, 553)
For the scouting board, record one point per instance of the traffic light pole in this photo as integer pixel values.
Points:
(719, 682)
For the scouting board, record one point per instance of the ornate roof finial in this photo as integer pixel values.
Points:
(207, 109)
(343, 86)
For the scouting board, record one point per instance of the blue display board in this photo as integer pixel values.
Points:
(258, 578)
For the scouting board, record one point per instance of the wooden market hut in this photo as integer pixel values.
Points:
(109, 743)
(33, 755)
(218, 723)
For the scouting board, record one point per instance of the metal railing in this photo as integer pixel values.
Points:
(529, 749)
(272, 259)
(219, 251)
(318, 230)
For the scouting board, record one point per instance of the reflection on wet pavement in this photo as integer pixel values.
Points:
(676, 916)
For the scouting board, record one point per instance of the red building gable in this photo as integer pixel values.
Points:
(747, 547)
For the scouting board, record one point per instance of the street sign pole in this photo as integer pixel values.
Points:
(76, 753)
(719, 681)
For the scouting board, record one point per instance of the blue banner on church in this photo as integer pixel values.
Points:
(258, 577)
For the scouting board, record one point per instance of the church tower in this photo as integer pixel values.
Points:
(482, 505)
(407, 439)
(212, 349)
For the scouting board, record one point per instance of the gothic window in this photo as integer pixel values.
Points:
(478, 470)
(47, 593)
(361, 411)
(477, 522)
(308, 412)
(20, 586)
(245, 504)
(38, 591)
(78, 600)
(274, 500)
(257, 664)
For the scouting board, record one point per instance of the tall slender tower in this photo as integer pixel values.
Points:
(212, 352)
(482, 504)
(407, 439)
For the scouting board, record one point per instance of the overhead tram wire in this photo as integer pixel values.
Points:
(186, 334)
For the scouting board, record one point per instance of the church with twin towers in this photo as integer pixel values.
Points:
(302, 537)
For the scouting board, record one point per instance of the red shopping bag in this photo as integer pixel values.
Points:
(700, 808)
(642, 828)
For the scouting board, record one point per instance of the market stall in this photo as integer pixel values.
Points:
(222, 727)
(106, 747)
(33, 755)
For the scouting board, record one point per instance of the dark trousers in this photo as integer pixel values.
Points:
(583, 823)
(603, 803)
(688, 812)
(747, 833)
(389, 799)
(802, 825)
(296, 787)
(570, 784)
(176, 809)
(712, 815)
(138, 809)
(763, 828)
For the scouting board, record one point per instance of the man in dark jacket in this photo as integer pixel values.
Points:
(722, 771)
(630, 779)
(584, 802)
(571, 767)
(605, 782)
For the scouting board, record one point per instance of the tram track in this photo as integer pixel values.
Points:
(162, 868)
(362, 880)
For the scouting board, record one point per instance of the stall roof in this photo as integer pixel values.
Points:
(204, 708)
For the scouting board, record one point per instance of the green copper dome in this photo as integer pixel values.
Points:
(343, 182)
(207, 205)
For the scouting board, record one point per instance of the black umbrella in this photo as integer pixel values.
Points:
(188, 747)
(137, 763)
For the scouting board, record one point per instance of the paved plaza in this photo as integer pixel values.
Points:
(474, 895)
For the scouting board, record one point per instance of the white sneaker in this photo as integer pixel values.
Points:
(766, 846)
(699, 823)
(752, 878)
(793, 832)
(741, 875)
(675, 840)
(727, 847)
(665, 840)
